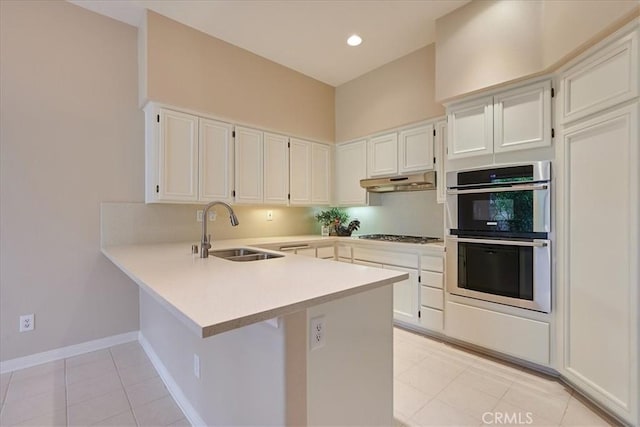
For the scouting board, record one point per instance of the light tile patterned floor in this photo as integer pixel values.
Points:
(436, 384)
(113, 387)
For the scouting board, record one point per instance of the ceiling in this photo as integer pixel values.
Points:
(306, 35)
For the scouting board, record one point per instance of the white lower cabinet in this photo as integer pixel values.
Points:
(405, 295)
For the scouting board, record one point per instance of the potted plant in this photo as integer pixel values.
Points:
(332, 221)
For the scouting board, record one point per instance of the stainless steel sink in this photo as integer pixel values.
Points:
(243, 254)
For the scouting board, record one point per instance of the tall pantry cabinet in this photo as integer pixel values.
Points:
(599, 223)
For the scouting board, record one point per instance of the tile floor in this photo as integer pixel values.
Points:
(113, 387)
(435, 384)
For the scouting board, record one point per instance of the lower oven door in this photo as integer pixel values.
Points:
(511, 272)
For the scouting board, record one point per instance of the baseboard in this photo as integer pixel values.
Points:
(174, 389)
(64, 352)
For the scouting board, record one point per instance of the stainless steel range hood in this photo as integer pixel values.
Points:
(416, 182)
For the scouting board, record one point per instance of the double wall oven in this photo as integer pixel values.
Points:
(498, 247)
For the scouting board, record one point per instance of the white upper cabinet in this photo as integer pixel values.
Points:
(440, 150)
(248, 165)
(300, 168)
(276, 169)
(171, 163)
(351, 167)
(320, 174)
(215, 161)
(522, 118)
(416, 149)
(471, 128)
(511, 120)
(607, 77)
(383, 155)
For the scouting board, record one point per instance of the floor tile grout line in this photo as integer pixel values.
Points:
(6, 393)
(135, 418)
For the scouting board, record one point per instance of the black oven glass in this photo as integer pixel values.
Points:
(505, 270)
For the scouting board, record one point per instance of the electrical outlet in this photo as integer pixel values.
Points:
(27, 323)
(199, 214)
(317, 332)
(269, 215)
(196, 365)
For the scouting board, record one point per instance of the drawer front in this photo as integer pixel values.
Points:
(326, 252)
(367, 263)
(432, 263)
(307, 252)
(429, 278)
(346, 260)
(386, 257)
(431, 319)
(344, 251)
(432, 297)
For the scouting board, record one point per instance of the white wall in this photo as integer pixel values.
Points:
(71, 135)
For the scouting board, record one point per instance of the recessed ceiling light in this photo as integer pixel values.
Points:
(354, 40)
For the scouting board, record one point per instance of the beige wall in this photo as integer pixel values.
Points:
(398, 93)
(190, 69)
(567, 24)
(71, 135)
(488, 43)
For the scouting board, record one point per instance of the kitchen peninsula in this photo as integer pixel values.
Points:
(232, 340)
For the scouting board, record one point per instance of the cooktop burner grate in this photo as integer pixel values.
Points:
(400, 238)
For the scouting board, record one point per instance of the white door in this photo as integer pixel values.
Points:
(300, 172)
(276, 169)
(320, 174)
(416, 149)
(248, 161)
(405, 295)
(470, 128)
(602, 187)
(383, 155)
(522, 118)
(215, 161)
(351, 167)
(440, 153)
(177, 157)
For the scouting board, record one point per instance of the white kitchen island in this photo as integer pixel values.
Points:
(232, 339)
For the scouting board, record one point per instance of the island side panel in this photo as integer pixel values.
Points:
(350, 378)
(242, 371)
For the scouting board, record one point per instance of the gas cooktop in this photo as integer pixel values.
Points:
(399, 238)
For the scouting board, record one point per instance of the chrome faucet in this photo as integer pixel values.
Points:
(205, 242)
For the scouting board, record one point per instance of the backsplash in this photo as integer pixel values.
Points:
(411, 213)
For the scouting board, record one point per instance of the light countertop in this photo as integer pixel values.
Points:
(214, 295)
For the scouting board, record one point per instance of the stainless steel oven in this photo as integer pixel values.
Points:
(499, 249)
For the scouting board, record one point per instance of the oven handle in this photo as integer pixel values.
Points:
(501, 189)
(535, 243)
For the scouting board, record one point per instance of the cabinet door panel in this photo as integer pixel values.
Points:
(471, 128)
(351, 167)
(601, 275)
(522, 118)
(300, 172)
(416, 149)
(248, 160)
(276, 169)
(405, 295)
(216, 161)
(320, 174)
(178, 156)
(383, 155)
(440, 148)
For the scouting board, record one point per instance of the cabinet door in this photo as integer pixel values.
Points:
(383, 155)
(351, 167)
(440, 146)
(602, 188)
(300, 172)
(215, 161)
(177, 157)
(416, 149)
(276, 169)
(248, 161)
(405, 296)
(471, 128)
(320, 174)
(522, 118)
